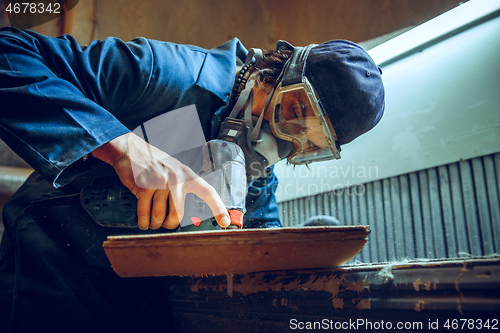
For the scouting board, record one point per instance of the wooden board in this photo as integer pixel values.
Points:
(234, 251)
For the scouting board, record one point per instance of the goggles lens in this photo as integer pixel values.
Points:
(299, 117)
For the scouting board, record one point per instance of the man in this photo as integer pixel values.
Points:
(66, 109)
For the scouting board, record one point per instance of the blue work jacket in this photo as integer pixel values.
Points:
(59, 101)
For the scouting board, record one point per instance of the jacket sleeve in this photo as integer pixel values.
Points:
(59, 101)
(261, 205)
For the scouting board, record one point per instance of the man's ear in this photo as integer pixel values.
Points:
(283, 45)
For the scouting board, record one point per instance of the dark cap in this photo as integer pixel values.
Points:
(349, 85)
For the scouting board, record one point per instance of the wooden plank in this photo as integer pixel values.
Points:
(233, 251)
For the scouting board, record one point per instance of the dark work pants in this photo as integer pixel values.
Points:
(53, 262)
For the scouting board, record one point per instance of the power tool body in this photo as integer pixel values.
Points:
(111, 204)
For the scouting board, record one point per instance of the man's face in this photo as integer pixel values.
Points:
(297, 114)
(299, 119)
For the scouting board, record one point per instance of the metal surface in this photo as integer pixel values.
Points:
(415, 295)
(448, 211)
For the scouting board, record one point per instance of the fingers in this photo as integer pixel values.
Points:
(161, 187)
(152, 209)
(159, 209)
(144, 202)
(165, 208)
(176, 207)
(208, 194)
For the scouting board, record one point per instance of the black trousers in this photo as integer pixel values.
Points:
(55, 276)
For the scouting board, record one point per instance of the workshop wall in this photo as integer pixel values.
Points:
(449, 211)
(257, 23)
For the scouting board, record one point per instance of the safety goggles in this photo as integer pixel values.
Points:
(298, 116)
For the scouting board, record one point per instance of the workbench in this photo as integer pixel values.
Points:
(441, 295)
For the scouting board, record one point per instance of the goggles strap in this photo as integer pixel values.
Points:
(257, 54)
(245, 95)
(295, 67)
(254, 136)
(247, 115)
(255, 133)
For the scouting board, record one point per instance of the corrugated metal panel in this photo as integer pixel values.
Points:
(449, 211)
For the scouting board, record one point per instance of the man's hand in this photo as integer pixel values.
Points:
(159, 181)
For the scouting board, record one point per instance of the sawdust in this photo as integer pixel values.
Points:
(427, 285)
(364, 304)
(419, 305)
(338, 303)
(250, 284)
(358, 286)
(264, 282)
(464, 270)
(386, 273)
